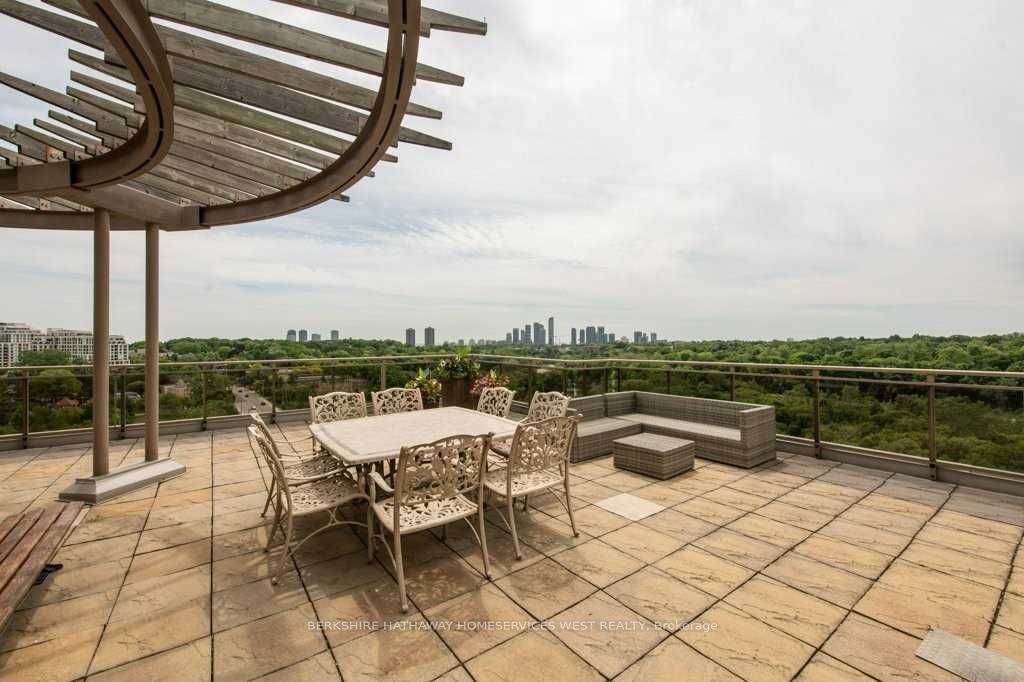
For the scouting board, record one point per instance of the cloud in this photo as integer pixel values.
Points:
(697, 169)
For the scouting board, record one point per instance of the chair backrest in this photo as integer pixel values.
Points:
(395, 400)
(542, 445)
(336, 406)
(438, 471)
(495, 400)
(258, 422)
(265, 445)
(547, 405)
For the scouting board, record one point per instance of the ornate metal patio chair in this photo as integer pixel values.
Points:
(433, 484)
(294, 498)
(542, 406)
(304, 467)
(394, 400)
(336, 406)
(538, 462)
(495, 400)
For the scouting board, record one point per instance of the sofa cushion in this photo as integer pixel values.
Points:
(603, 425)
(623, 402)
(590, 408)
(669, 426)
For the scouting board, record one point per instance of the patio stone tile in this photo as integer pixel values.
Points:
(1011, 613)
(533, 655)
(882, 519)
(814, 502)
(774, 476)
(357, 612)
(477, 621)
(984, 571)
(590, 470)
(1006, 642)
(704, 571)
(245, 568)
(324, 578)
(987, 505)
(318, 668)
(547, 535)
(188, 663)
(97, 551)
(1016, 583)
(690, 483)
(161, 592)
(866, 536)
(243, 603)
(794, 516)
(914, 490)
(334, 543)
(671, 659)
(846, 493)
(96, 527)
(66, 658)
(641, 542)
(864, 562)
(855, 477)
(240, 542)
(243, 652)
(605, 633)
(71, 582)
(167, 561)
(412, 653)
(172, 536)
(914, 599)
(501, 553)
(624, 481)
(746, 646)
(654, 594)
(677, 525)
(598, 562)
(630, 507)
(880, 651)
(996, 530)
(735, 498)
(969, 543)
(662, 494)
(545, 588)
(768, 530)
(807, 618)
(171, 516)
(433, 582)
(591, 492)
(247, 518)
(57, 620)
(130, 639)
(597, 521)
(709, 511)
(824, 668)
(755, 486)
(740, 549)
(826, 582)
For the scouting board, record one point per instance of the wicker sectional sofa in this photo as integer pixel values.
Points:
(741, 434)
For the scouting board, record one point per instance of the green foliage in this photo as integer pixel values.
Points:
(44, 358)
(458, 366)
(430, 388)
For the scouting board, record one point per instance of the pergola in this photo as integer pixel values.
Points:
(176, 130)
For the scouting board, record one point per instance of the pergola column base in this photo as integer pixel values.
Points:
(126, 479)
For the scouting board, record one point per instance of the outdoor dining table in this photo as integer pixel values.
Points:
(368, 440)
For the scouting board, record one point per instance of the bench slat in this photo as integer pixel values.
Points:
(6, 525)
(22, 524)
(11, 564)
(52, 529)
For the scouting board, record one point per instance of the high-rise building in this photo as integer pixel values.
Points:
(508, 337)
(79, 345)
(303, 335)
(601, 338)
(610, 338)
(551, 331)
(428, 337)
(291, 335)
(638, 336)
(462, 342)
(654, 337)
(591, 335)
(17, 338)
(574, 336)
(335, 335)
(410, 337)
(527, 336)
(538, 334)
(314, 337)
(515, 336)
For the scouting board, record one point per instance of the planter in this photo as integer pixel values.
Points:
(455, 392)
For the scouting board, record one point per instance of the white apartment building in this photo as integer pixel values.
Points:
(17, 338)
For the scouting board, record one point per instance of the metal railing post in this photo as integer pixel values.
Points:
(618, 378)
(816, 393)
(668, 381)
(25, 411)
(565, 381)
(273, 396)
(932, 443)
(206, 413)
(383, 376)
(124, 403)
(732, 384)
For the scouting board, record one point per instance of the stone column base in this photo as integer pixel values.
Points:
(96, 489)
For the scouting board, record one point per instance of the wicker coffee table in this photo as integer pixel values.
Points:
(654, 455)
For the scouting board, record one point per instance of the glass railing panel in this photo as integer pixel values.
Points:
(981, 427)
(877, 416)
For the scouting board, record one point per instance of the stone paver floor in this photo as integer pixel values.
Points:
(803, 569)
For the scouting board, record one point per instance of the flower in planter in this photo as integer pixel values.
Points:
(458, 366)
(430, 388)
(490, 380)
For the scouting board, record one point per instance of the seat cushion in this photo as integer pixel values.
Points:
(669, 426)
(602, 426)
(420, 516)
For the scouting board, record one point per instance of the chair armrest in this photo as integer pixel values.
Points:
(379, 482)
(756, 416)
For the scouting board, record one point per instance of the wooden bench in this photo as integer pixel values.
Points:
(27, 543)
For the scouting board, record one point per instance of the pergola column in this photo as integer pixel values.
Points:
(152, 342)
(101, 343)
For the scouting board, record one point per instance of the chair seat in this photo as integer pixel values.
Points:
(523, 484)
(320, 465)
(503, 448)
(324, 494)
(422, 516)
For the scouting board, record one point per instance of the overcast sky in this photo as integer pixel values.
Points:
(714, 169)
